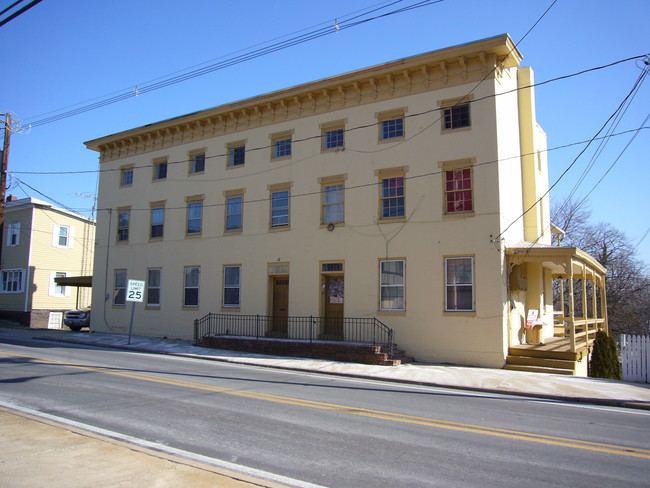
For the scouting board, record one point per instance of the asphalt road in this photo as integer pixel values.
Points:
(326, 430)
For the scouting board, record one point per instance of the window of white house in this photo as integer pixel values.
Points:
(459, 277)
(119, 287)
(392, 285)
(231, 286)
(333, 203)
(123, 221)
(153, 287)
(194, 217)
(191, 286)
(197, 162)
(157, 222)
(126, 176)
(236, 154)
(13, 234)
(456, 116)
(62, 236)
(280, 208)
(12, 281)
(57, 290)
(160, 170)
(234, 211)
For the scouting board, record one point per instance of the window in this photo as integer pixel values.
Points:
(153, 287)
(231, 286)
(333, 203)
(13, 234)
(160, 170)
(12, 281)
(280, 208)
(236, 154)
(197, 162)
(333, 139)
(456, 116)
(392, 197)
(392, 128)
(194, 217)
(234, 210)
(126, 176)
(391, 124)
(392, 285)
(458, 190)
(57, 290)
(459, 276)
(157, 222)
(123, 219)
(119, 287)
(191, 287)
(62, 236)
(281, 145)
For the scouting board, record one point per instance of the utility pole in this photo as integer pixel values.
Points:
(5, 162)
(3, 176)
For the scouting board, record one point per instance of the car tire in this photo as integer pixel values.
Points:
(75, 328)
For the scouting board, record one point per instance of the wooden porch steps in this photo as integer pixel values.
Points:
(554, 357)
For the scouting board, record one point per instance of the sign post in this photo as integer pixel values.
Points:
(134, 293)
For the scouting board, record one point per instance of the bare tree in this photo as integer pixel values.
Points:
(628, 279)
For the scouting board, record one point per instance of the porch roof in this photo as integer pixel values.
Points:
(556, 258)
(85, 281)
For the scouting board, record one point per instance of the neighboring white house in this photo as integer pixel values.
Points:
(42, 242)
(409, 192)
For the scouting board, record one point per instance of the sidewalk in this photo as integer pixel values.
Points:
(540, 385)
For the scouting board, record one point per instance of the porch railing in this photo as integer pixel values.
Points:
(365, 330)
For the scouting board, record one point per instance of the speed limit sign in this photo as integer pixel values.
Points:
(135, 291)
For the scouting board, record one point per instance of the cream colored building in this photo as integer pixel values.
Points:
(396, 192)
(42, 242)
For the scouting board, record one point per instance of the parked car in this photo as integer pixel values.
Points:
(76, 319)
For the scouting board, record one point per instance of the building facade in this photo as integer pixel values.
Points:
(390, 192)
(41, 243)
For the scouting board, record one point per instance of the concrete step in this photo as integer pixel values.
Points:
(538, 369)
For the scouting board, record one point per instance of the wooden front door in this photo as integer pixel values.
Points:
(280, 305)
(334, 301)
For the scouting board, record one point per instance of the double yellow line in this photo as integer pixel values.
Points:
(379, 414)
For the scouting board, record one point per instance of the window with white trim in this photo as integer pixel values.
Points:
(459, 283)
(281, 145)
(456, 116)
(13, 234)
(333, 203)
(392, 285)
(63, 236)
(126, 176)
(57, 290)
(160, 169)
(236, 154)
(194, 216)
(12, 280)
(391, 125)
(157, 222)
(231, 286)
(234, 210)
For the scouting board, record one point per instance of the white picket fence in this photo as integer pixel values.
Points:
(635, 358)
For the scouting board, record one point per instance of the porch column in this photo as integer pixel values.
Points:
(584, 304)
(572, 316)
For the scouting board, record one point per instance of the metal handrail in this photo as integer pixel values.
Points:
(364, 330)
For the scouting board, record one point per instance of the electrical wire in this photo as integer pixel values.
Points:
(355, 21)
(19, 12)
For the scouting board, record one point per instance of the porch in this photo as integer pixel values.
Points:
(364, 340)
(567, 325)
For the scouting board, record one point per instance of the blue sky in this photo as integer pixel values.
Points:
(62, 53)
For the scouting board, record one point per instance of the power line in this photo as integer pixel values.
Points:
(19, 12)
(355, 21)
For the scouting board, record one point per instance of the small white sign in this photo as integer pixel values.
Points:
(135, 291)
